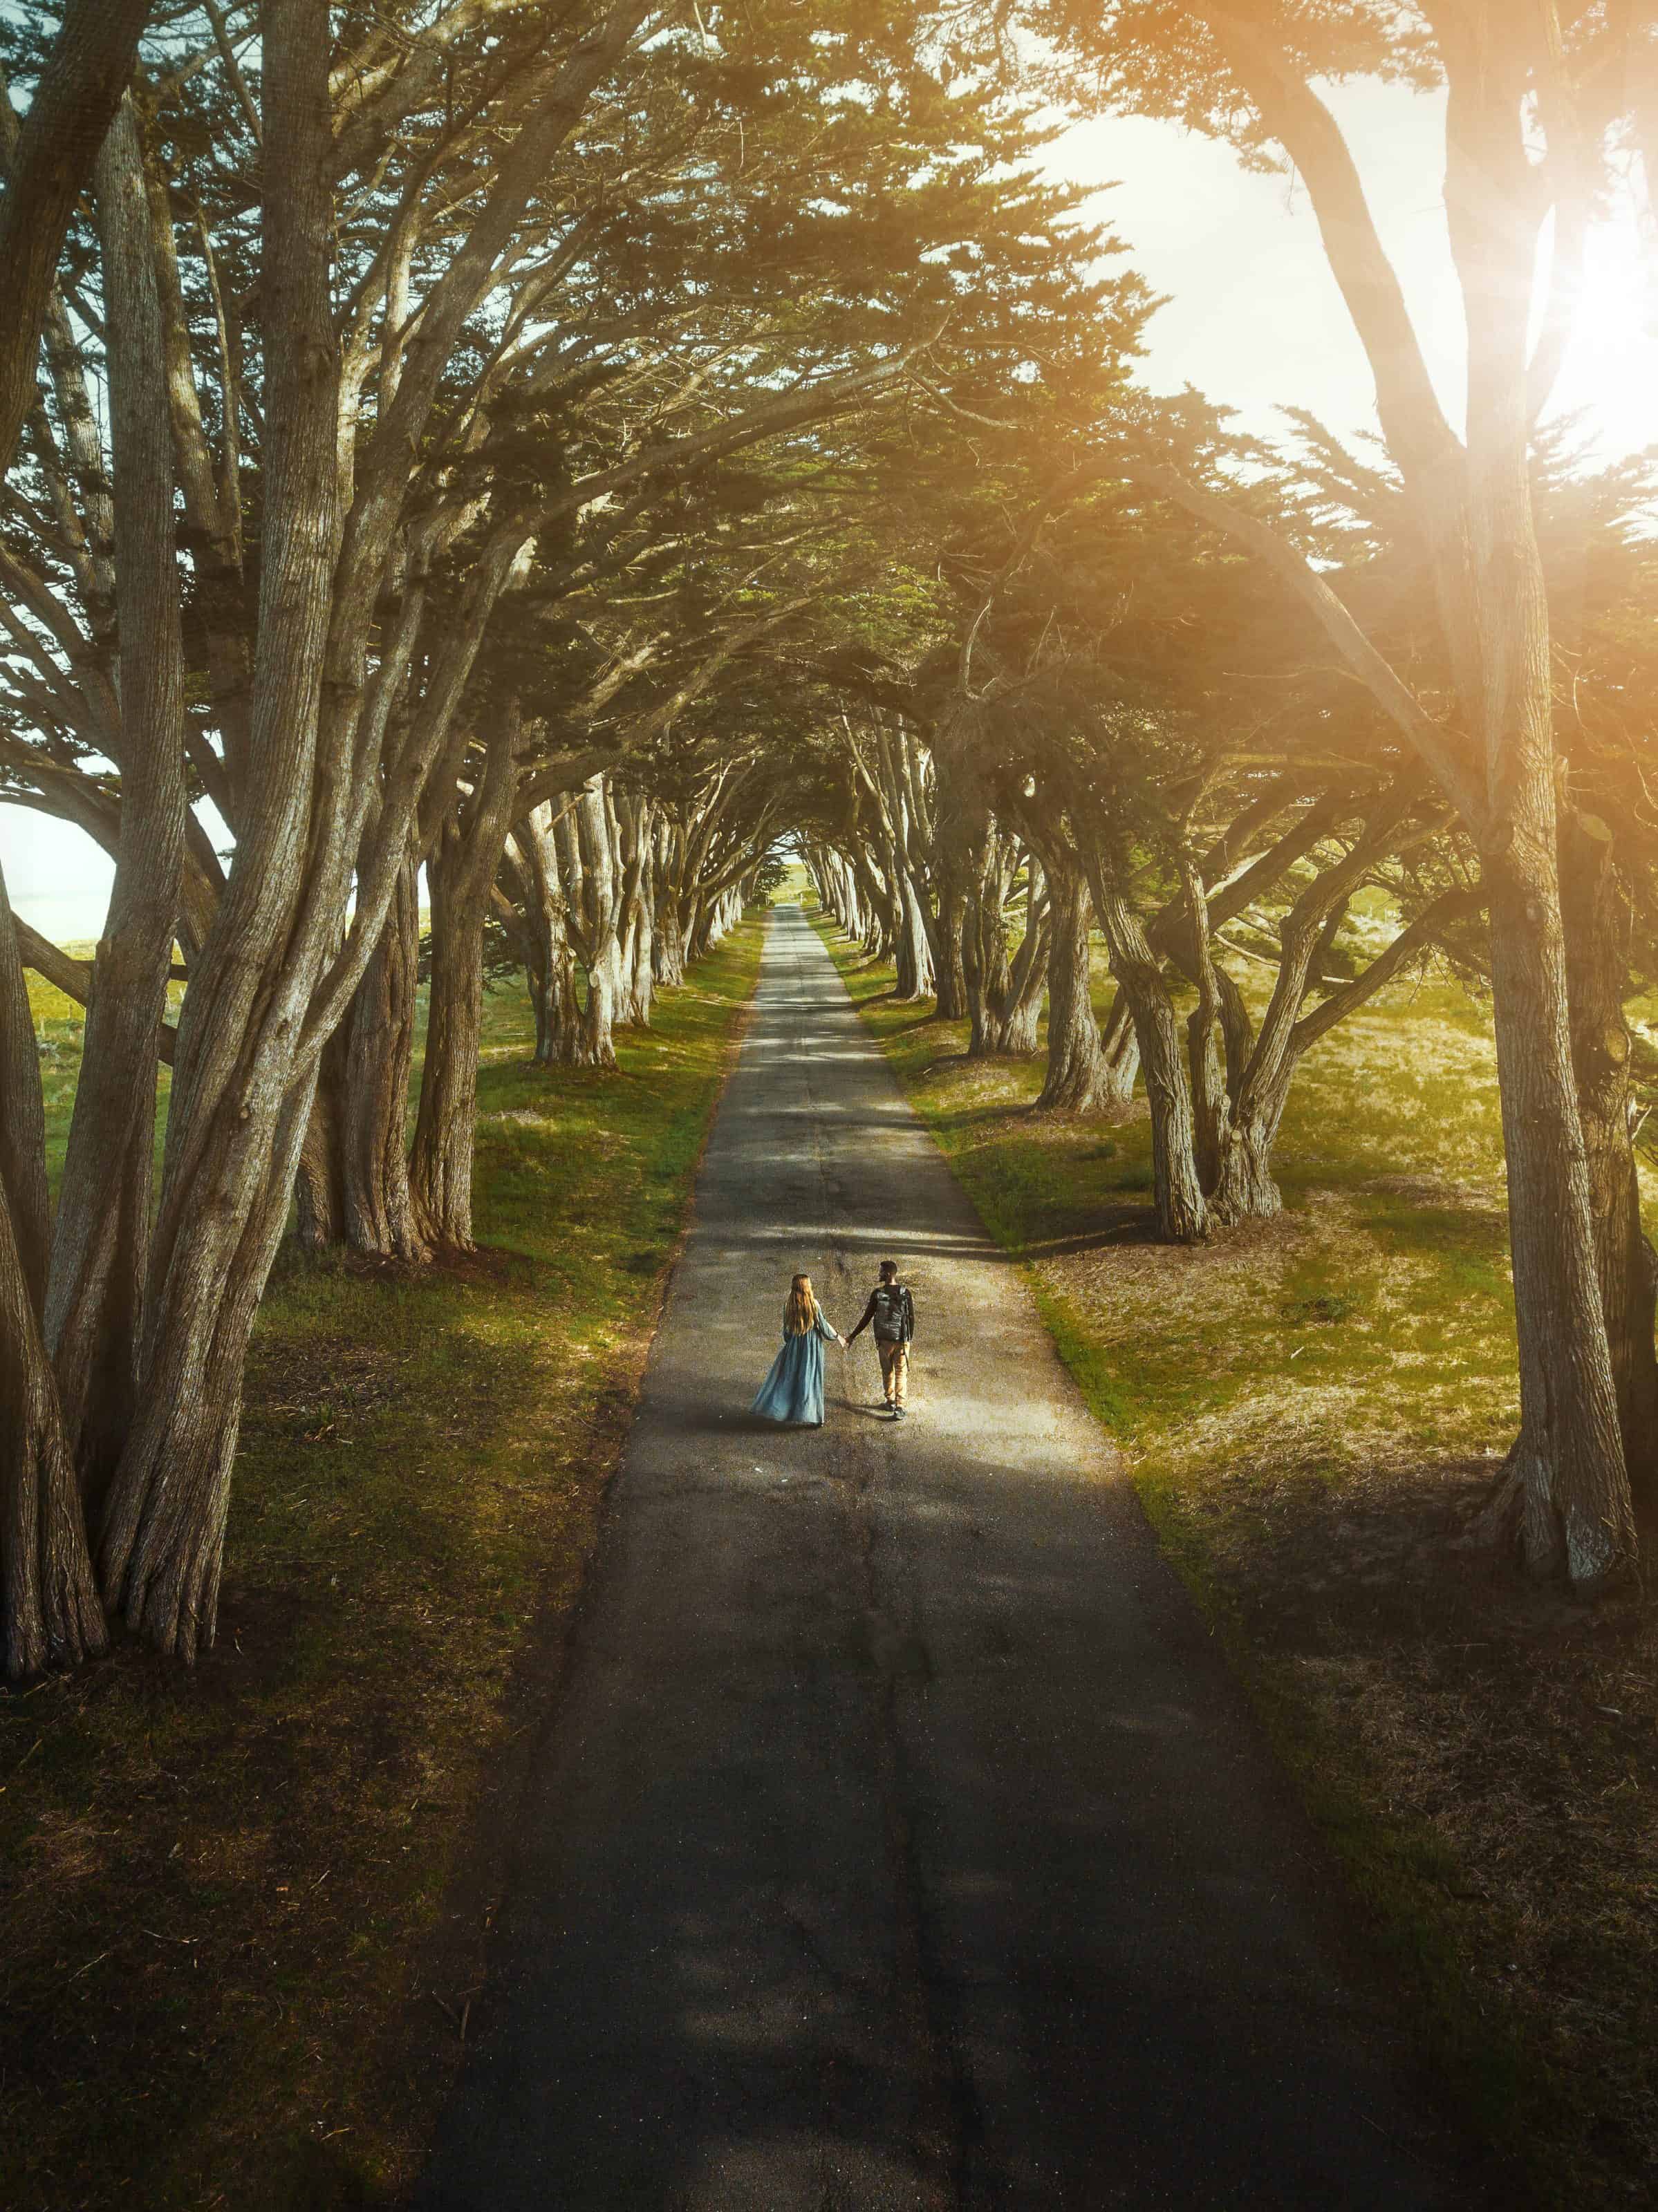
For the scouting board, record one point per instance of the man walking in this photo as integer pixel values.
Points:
(891, 1313)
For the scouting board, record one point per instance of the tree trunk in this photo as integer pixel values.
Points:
(667, 946)
(950, 977)
(632, 827)
(49, 1597)
(460, 872)
(914, 958)
(1235, 1107)
(1120, 1051)
(239, 1108)
(86, 73)
(1470, 513)
(1023, 1012)
(92, 1317)
(985, 956)
(550, 964)
(1003, 995)
(586, 864)
(604, 990)
(644, 969)
(696, 929)
(871, 908)
(846, 903)
(1076, 1077)
(1578, 1512)
(1243, 1188)
(1597, 916)
(319, 1178)
(163, 1541)
(380, 1219)
(557, 1012)
(1182, 1212)
(1572, 1495)
(442, 1168)
(50, 1614)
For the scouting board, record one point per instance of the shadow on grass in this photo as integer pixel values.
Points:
(973, 1117)
(1123, 1224)
(214, 1883)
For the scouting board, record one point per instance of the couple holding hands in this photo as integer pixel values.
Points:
(793, 1391)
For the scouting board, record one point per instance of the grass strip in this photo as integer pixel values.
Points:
(222, 1981)
(1308, 1408)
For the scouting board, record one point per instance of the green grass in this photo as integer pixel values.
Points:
(1309, 1408)
(224, 1980)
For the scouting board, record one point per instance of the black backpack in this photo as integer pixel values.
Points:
(894, 1314)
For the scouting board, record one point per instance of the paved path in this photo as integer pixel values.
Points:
(899, 1841)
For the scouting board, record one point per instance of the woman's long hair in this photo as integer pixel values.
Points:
(799, 1314)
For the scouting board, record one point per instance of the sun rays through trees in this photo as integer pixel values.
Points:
(532, 468)
(491, 486)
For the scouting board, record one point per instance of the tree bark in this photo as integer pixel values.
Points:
(1574, 1506)
(1181, 1209)
(1077, 1076)
(379, 1216)
(1597, 917)
(1236, 1107)
(1003, 995)
(86, 73)
(631, 830)
(49, 1606)
(1578, 1510)
(667, 946)
(1119, 1050)
(985, 949)
(319, 1177)
(239, 1109)
(587, 861)
(442, 1168)
(913, 956)
(50, 1596)
(94, 1309)
(552, 966)
(1028, 978)
(460, 872)
(950, 978)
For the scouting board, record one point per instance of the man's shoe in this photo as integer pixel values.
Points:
(899, 1412)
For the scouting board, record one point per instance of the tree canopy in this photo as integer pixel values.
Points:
(550, 460)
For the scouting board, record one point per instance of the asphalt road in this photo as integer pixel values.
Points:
(899, 1840)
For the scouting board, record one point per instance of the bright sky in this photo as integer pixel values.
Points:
(1254, 316)
(1255, 319)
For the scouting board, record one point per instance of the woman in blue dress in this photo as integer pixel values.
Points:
(793, 1391)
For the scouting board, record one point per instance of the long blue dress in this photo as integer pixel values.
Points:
(793, 1391)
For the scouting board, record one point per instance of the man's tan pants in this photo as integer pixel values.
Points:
(894, 1370)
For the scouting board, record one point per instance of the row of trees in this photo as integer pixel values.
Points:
(560, 450)
(1483, 750)
(1258, 851)
(444, 412)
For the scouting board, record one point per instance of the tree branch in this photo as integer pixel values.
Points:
(1431, 739)
(1412, 418)
(80, 89)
